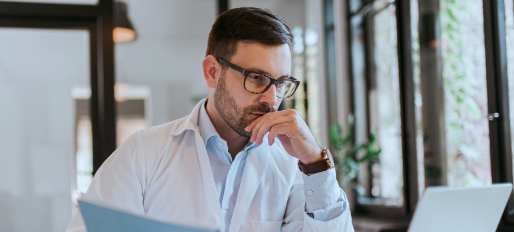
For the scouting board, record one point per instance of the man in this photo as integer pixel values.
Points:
(233, 163)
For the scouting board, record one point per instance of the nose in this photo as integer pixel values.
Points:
(270, 97)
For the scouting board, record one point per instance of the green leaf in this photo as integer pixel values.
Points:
(345, 160)
(335, 134)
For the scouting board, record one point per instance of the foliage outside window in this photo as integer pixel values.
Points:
(465, 89)
(347, 159)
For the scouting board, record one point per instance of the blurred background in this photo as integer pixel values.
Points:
(406, 93)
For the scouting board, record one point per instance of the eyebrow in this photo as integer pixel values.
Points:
(267, 73)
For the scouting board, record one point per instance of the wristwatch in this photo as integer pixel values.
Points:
(317, 166)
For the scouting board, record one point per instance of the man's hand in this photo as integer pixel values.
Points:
(292, 131)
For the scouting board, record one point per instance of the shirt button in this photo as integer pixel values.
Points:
(309, 192)
(213, 221)
(220, 143)
(226, 206)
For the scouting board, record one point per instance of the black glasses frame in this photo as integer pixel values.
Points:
(272, 80)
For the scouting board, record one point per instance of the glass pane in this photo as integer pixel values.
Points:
(83, 2)
(384, 110)
(38, 71)
(465, 89)
(359, 72)
(509, 26)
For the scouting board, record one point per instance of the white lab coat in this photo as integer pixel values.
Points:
(164, 173)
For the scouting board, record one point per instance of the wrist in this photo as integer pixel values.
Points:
(315, 157)
(318, 166)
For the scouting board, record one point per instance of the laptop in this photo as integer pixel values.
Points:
(467, 209)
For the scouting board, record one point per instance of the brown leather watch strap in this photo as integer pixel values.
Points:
(318, 166)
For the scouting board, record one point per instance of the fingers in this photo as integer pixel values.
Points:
(281, 129)
(265, 119)
(274, 114)
(264, 126)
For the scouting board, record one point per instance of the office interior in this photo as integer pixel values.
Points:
(407, 94)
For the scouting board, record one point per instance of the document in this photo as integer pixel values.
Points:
(102, 219)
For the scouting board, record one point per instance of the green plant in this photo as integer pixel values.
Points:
(346, 159)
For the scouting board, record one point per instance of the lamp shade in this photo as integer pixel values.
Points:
(123, 29)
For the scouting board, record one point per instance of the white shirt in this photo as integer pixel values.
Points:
(165, 173)
(228, 173)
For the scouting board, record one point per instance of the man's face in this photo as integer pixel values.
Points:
(235, 105)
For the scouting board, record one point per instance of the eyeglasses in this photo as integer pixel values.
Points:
(255, 82)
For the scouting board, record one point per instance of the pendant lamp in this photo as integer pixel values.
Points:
(123, 29)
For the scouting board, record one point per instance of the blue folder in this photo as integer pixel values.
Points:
(101, 219)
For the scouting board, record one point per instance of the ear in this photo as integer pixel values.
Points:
(211, 70)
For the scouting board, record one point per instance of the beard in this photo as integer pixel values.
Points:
(237, 118)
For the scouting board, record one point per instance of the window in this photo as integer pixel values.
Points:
(384, 107)
(382, 76)
(448, 63)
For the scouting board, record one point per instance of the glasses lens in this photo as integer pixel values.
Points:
(285, 88)
(256, 82)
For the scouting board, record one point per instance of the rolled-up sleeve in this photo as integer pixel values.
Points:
(332, 210)
(323, 197)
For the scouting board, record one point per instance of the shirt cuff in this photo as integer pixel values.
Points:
(321, 190)
(330, 212)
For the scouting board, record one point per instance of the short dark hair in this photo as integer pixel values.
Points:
(246, 24)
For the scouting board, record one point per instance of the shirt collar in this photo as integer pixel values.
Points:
(207, 130)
